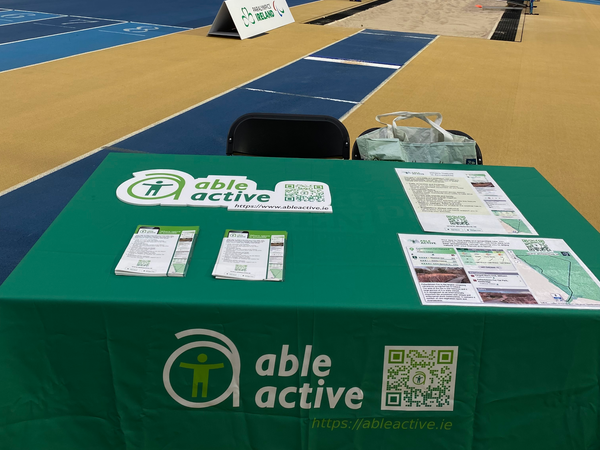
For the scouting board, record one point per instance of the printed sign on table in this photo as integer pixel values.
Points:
(247, 18)
(166, 187)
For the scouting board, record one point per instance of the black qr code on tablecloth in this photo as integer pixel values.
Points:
(537, 245)
(419, 378)
(304, 193)
(457, 220)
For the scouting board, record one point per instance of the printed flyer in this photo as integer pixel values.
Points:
(462, 201)
(499, 271)
(251, 255)
(158, 251)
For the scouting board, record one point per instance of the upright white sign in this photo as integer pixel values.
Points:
(247, 18)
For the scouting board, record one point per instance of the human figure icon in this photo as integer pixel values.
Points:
(155, 187)
(419, 378)
(200, 374)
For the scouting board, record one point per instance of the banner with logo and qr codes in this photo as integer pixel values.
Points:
(165, 187)
(204, 371)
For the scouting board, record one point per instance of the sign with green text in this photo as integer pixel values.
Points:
(247, 18)
(166, 187)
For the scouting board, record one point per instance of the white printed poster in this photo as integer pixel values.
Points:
(499, 271)
(462, 201)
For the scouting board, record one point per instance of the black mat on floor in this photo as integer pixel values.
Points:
(347, 13)
(508, 26)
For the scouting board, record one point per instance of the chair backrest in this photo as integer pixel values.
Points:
(288, 136)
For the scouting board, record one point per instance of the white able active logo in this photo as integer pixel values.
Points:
(166, 187)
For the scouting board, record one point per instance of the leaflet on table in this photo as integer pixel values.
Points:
(158, 251)
(462, 201)
(251, 255)
(499, 271)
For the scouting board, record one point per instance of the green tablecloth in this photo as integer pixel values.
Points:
(89, 360)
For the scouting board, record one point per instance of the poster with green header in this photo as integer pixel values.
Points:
(499, 271)
(251, 255)
(158, 251)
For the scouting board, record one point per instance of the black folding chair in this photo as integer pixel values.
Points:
(288, 136)
(356, 153)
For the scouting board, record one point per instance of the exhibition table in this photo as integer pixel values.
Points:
(340, 355)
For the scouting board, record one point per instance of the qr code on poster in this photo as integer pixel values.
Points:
(458, 220)
(304, 193)
(419, 378)
(537, 245)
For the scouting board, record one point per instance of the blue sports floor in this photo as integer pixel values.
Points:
(331, 81)
(28, 38)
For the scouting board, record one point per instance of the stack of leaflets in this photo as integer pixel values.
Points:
(251, 255)
(158, 251)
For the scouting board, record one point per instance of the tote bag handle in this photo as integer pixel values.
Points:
(403, 115)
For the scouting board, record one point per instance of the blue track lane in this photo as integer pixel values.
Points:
(49, 27)
(35, 51)
(383, 47)
(12, 17)
(324, 79)
(304, 87)
(182, 13)
(203, 130)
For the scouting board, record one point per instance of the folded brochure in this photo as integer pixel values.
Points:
(158, 251)
(251, 255)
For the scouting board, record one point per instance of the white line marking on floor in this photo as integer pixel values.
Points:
(99, 18)
(157, 25)
(37, 12)
(54, 35)
(84, 53)
(32, 20)
(395, 35)
(300, 95)
(141, 130)
(385, 82)
(126, 34)
(354, 62)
